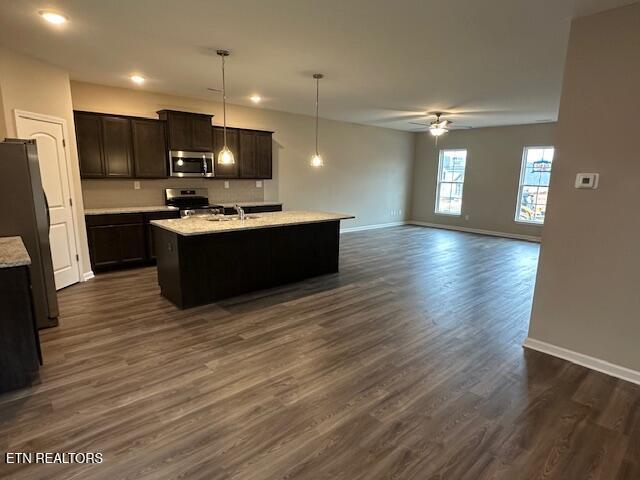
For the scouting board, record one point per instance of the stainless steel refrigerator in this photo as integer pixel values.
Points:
(24, 212)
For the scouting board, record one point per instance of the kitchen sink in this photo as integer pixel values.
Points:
(230, 218)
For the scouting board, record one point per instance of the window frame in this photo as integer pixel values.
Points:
(439, 182)
(521, 185)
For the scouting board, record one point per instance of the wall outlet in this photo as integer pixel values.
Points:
(136, 185)
(466, 217)
(259, 184)
(226, 184)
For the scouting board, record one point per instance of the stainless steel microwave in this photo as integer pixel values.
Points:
(190, 164)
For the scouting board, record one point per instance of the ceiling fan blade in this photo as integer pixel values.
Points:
(421, 124)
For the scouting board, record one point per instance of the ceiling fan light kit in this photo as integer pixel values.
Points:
(437, 127)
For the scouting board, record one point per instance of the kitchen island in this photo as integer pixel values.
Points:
(205, 259)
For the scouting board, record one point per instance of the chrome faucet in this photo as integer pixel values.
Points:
(240, 211)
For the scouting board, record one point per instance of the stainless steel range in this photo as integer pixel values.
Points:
(191, 201)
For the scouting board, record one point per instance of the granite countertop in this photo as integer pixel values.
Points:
(13, 253)
(164, 208)
(248, 204)
(105, 211)
(200, 226)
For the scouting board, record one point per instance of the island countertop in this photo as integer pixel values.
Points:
(201, 226)
(13, 253)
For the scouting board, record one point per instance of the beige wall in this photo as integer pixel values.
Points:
(587, 296)
(34, 86)
(367, 169)
(494, 157)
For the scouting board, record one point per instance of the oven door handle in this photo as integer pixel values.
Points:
(204, 165)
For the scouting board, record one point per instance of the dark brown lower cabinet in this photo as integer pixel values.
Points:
(198, 269)
(123, 239)
(116, 245)
(19, 344)
(151, 249)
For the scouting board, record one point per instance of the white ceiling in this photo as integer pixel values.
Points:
(387, 62)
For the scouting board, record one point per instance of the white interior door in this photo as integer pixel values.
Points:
(49, 136)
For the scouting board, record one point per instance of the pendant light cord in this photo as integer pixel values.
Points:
(224, 106)
(317, 107)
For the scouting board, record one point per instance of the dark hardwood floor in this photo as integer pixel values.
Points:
(406, 365)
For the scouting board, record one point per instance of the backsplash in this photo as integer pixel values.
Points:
(120, 193)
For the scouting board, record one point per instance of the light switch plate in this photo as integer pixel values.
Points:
(226, 184)
(136, 185)
(587, 180)
(259, 184)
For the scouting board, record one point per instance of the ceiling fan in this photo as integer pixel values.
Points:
(438, 126)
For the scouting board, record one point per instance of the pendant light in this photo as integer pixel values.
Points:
(316, 159)
(225, 157)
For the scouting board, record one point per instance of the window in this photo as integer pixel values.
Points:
(534, 184)
(450, 181)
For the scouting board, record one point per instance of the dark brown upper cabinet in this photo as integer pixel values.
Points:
(89, 139)
(188, 131)
(149, 148)
(226, 171)
(255, 154)
(117, 146)
(264, 152)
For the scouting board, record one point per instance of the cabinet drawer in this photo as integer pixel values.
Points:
(113, 219)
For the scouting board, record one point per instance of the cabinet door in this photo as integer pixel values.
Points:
(89, 141)
(151, 248)
(149, 148)
(247, 164)
(201, 133)
(226, 171)
(263, 154)
(104, 245)
(117, 146)
(180, 131)
(114, 245)
(132, 242)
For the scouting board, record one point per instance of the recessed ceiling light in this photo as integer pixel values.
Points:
(139, 79)
(255, 98)
(53, 17)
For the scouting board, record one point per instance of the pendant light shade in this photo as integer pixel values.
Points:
(225, 157)
(316, 159)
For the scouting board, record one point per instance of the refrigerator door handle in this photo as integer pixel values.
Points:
(46, 206)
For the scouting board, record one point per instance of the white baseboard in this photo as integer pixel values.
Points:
(87, 275)
(372, 227)
(596, 364)
(517, 236)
